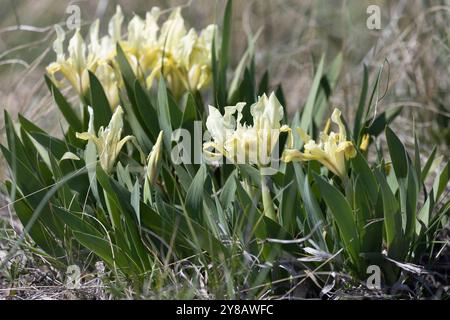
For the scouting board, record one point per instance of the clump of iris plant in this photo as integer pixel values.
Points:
(182, 55)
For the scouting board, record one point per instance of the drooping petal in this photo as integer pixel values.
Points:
(348, 148)
(85, 136)
(290, 155)
(336, 118)
(53, 68)
(122, 142)
(314, 150)
(69, 156)
(210, 144)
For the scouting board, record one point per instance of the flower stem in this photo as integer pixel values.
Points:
(269, 211)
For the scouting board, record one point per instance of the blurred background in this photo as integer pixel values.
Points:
(413, 44)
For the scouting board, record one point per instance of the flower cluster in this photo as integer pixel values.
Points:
(184, 57)
(243, 143)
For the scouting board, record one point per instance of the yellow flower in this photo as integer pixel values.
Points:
(107, 141)
(243, 143)
(97, 57)
(365, 142)
(154, 160)
(184, 57)
(332, 150)
(74, 68)
(195, 57)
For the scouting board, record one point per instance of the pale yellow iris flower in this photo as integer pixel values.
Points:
(243, 143)
(108, 140)
(96, 57)
(74, 68)
(183, 56)
(332, 150)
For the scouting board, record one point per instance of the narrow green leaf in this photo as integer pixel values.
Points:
(57, 147)
(417, 163)
(314, 213)
(344, 217)
(282, 99)
(111, 197)
(28, 125)
(392, 216)
(398, 154)
(308, 111)
(427, 166)
(190, 109)
(215, 72)
(264, 84)
(176, 115)
(327, 85)
(38, 231)
(65, 108)
(228, 193)
(374, 93)
(15, 144)
(359, 121)
(80, 222)
(135, 201)
(146, 110)
(164, 114)
(125, 68)
(194, 197)
(108, 252)
(224, 54)
(377, 126)
(441, 181)
(99, 103)
(362, 172)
